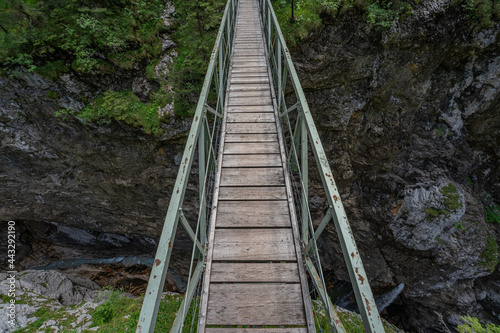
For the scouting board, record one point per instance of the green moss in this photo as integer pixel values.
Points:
(52, 70)
(472, 325)
(433, 213)
(439, 132)
(126, 60)
(489, 257)
(451, 197)
(52, 94)
(123, 106)
(351, 321)
(460, 226)
(5, 298)
(150, 69)
(440, 241)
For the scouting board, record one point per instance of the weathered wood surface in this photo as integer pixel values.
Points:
(262, 137)
(244, 148)
(248, 161)
(249, 128)
(251, 117)
(254, 272)
(252, 193)
(253, 214)
(252, 177)
(255, 304)
(250, 93)
(254, 245)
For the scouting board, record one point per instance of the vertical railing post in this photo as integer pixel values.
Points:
(220, 90)
(304, 166)
(279, 92)
(269, 30)
(201, 181)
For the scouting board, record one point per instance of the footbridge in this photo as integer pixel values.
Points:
(255, 265)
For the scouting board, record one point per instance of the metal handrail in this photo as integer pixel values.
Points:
(203, 137)
(301, 134)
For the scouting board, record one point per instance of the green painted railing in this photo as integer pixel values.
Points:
(203, 139)
(301, 136)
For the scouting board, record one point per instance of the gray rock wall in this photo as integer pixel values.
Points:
(403, 113)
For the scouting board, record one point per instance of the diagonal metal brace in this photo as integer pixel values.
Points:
(186, 302)
(290, 109)
(212, 110)
(319, 230)
(190, 231)
(327, 303)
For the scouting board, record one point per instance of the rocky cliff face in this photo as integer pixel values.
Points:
(409, 118)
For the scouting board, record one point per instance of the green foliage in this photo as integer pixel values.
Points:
(52, 94)
(472, 325)
(52, 70)
(197, 24)
(381, 15)
(123, 106)
(492, 213)
(352, 321)
(310, 14)
(111, 308)
(32, 32)
(483, 13)
(489, 257)
(451, 197)
(123, 306)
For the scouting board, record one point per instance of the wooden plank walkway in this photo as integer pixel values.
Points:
(253, 277)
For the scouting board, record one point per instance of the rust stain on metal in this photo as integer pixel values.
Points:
(157, 262)
(196, 118)
(360, 277)
(352, 255)
(169, 245)
(335, 198)
(177, 191)
(154, 277)
(368, 307)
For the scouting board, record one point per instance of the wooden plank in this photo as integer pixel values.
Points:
(252, 101)
(251, 128)
(245, 87)
(252, 193)
(256, 214)
(255, 304)
(263, 137)
(238, 117)
(249, 74)
(256, 330)
(249, 80)
(254, 245)
(244, 148)
(250, 93)
(252, 177)
(254, 272)
(251, 161)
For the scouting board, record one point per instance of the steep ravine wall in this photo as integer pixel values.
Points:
(410, 120)
(403, 113)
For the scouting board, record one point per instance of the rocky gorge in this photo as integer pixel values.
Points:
(409, 119)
